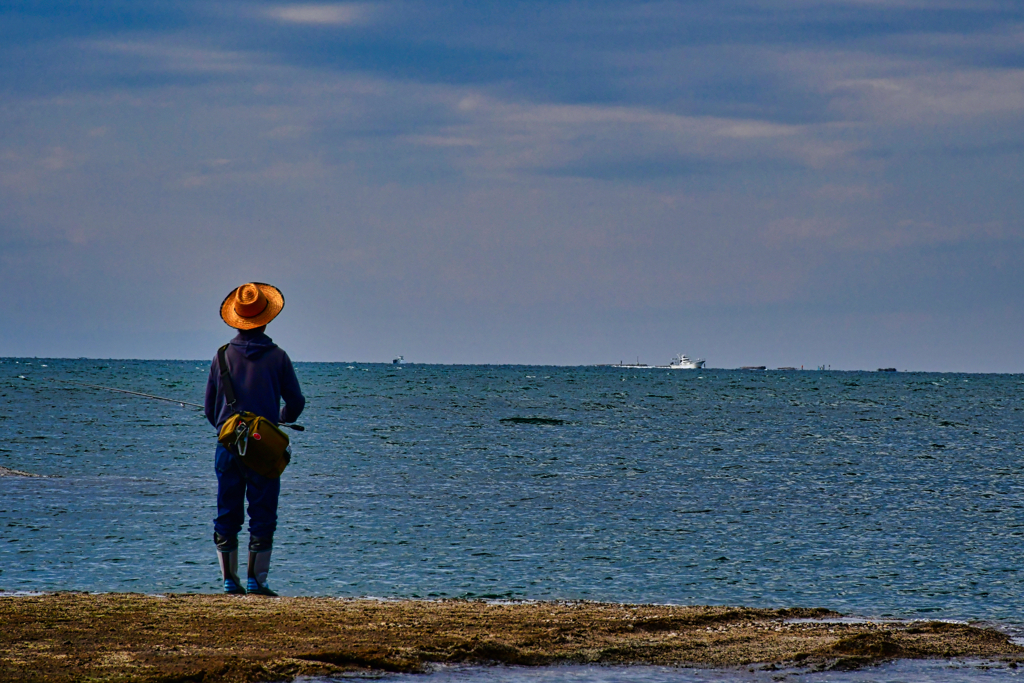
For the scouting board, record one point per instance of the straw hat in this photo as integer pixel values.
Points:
(252, 305)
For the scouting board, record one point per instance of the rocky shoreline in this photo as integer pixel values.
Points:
(8, 472)
(129, 637)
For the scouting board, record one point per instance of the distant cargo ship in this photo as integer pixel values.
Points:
(680, 362)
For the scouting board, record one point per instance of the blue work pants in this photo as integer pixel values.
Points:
(235, 484)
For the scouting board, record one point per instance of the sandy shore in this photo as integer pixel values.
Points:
(127, 637)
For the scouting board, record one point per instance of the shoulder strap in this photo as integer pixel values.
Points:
(225, 377)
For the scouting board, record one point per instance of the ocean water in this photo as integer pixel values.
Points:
(897, 495)
(952, 671)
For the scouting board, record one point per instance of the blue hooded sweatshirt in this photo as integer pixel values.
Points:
(261, 374)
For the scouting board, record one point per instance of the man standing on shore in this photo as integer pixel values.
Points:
(261, 375)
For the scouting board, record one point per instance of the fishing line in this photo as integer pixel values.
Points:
(298, 428)
(133, 393)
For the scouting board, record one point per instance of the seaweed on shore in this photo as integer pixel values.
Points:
(213, 639)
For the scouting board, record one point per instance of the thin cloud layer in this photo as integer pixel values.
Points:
(323, 14)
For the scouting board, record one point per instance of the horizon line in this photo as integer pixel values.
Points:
(748, 369)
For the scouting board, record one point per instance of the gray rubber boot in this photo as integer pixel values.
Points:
(259, 566)
(227, 555)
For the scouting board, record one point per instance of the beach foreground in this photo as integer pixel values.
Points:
(74, 636)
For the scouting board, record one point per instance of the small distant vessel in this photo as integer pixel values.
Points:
(886, 369)
(753, 367)
(399, 361)
(682, 362)
(637, 364)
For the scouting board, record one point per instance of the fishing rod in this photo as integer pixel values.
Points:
(298, 428)
(125, 391)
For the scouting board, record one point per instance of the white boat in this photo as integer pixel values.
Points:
(682, 362)
(399, 361)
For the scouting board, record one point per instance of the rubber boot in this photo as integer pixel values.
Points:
(259, 566)
(227, 555)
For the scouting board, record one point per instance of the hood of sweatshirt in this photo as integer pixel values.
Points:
(252, 344)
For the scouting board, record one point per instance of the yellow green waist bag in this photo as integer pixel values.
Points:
(257, 442)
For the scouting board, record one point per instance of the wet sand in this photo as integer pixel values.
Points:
(128, 637)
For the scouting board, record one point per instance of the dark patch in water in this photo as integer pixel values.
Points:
(551, 421)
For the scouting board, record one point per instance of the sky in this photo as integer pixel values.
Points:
(752, 182)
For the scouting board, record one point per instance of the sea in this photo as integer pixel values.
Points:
(876, 494)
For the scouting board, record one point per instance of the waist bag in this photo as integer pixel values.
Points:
(254, 440)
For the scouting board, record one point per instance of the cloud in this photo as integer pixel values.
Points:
(927, 5)
(287, 132)
(802, 229)
(326, 14)
(175, 54)
(593, 140)
(839, 234)
(29, 171)
(57, 159)
(1001, 43)
(951, 95)
(441, 141)
(836, 193)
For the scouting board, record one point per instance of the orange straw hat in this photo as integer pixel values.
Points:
(252, 305)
